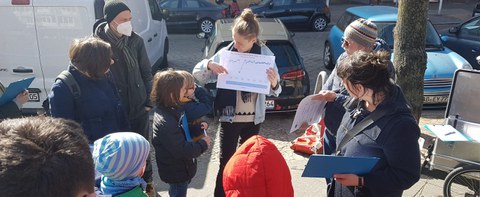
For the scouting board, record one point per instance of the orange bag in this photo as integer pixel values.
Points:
(311, 142)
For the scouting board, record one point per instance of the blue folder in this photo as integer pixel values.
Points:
(14, 89)
(328, 165)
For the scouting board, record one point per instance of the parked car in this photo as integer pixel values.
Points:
(293, 75)
(39, 33)
(464, 39)
(193, 14)
(296, 13)
(441, 61)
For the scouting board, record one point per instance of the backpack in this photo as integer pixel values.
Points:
(74, 88)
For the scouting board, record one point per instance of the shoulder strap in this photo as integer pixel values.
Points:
(72, 84)
(371, 118)
(74, 88)
(186, 130)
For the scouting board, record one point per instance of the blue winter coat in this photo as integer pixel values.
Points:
(200, 107)
(99, 109)
(394, 139)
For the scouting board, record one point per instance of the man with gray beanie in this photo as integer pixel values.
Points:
(131, 70)
(360, 35)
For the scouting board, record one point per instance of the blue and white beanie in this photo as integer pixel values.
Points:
(120, 156)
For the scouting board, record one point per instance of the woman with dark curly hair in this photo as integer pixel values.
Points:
(393, 137)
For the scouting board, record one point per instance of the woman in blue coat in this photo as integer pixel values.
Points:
(98, 108)
(393, 137)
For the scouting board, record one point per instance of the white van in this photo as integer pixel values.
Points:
(35, 36)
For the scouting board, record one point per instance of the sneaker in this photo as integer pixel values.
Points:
(150, 190)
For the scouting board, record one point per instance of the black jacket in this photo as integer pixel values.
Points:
(9, 110)
(134, 87)
(176, 158)
(394, 139)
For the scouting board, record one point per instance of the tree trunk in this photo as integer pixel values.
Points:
(410, 58)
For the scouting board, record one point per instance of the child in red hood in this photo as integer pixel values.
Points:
(257, 169)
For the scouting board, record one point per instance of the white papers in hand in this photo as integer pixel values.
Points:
(246, 72)
(309, 111)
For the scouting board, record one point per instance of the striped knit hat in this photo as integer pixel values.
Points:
(363, 32)
(120, 156)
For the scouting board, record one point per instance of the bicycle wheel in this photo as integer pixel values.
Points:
(463, 181)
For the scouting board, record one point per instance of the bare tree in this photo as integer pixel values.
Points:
(410, 58)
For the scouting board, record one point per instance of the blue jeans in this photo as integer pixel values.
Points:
(178, 189)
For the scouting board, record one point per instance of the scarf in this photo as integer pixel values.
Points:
(225, 101)
(2, 89)
(122, 44)
(114, 187)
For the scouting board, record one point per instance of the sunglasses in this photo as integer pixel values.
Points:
(345, 42)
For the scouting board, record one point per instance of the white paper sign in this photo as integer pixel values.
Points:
(309, 111)
(246, 72)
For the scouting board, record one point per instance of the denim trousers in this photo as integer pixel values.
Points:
(178, 189)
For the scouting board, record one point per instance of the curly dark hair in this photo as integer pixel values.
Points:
(369, 69)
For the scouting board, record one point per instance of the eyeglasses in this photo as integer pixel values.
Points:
(345, 42)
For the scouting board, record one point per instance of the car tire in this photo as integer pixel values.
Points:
(327, 56)
(158, 66)
(166, 46)
(206, 25)
(319, 23)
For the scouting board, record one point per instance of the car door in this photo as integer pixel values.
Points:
(188, 12)
(19, 55)
(279, 9)
(466, 41)
(156, 32)
(301, 11)
(172, 6)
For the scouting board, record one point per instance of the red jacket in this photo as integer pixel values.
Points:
(257, 169)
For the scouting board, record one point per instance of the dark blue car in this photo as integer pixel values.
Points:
(465, 40)
(296, 13)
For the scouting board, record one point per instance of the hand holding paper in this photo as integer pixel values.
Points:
(246, 72)
(14, 89)
(309, 111)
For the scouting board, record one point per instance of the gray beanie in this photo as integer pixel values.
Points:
(112, 8)
(362, 31)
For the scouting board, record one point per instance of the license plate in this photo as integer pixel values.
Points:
(435, 99)
(33, 97)
(270, 104)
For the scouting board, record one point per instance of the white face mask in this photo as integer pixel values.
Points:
(125, 28)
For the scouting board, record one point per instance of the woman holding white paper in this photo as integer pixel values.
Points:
(393, 137)
(241, 113)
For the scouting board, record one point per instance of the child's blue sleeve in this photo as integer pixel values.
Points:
(201, 107)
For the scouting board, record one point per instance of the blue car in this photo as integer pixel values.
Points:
(441, 61)
(465, 40)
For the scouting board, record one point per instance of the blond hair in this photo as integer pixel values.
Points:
(188, 77)
(246, 25)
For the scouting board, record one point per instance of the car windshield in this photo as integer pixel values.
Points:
(285, 55)
(385, 31)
